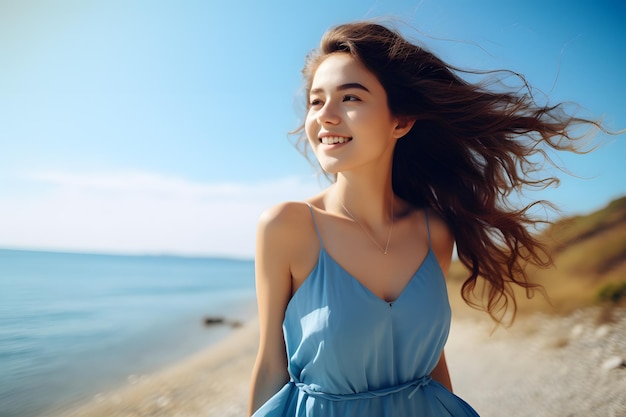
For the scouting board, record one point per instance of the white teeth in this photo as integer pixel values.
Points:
(331, 140)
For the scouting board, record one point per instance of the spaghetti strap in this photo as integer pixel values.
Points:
(319, 236)
(427, 225)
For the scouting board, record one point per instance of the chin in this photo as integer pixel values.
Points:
(330, 166)
(330, 169)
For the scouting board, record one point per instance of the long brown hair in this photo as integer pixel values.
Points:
(471, 149)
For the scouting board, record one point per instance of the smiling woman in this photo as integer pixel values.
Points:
(353, 307)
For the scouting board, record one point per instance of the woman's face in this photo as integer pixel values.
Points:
(348, 123)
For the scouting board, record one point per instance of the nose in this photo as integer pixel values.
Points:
(328, 115)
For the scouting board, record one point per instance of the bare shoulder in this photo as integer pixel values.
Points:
(287, 244)
(442, 239)
(287, 228)
(439, 228)
(291, 217)
(283, 219)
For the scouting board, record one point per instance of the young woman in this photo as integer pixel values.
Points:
(353, 307)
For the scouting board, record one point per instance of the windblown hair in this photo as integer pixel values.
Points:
(471, 149)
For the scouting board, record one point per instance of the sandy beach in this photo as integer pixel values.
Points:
(543, 366)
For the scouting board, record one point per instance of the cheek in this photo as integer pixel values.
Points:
(310, 128)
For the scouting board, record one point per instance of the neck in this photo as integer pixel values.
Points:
(368, 199)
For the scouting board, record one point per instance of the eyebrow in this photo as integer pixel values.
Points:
(342, 87)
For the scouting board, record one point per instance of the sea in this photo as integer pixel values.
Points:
(73, 325)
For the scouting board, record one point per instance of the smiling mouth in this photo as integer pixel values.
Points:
(334, 140)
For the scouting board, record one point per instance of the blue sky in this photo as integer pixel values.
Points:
(161, 127)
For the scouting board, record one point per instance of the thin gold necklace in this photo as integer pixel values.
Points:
(384, 250)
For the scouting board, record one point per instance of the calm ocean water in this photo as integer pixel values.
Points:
(72, 325)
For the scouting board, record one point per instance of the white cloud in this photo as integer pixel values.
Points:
(141, 212)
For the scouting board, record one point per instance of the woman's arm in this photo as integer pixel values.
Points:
(443, 245)
(441, 374)
(273, 286)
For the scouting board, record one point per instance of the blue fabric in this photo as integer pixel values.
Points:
(351, 353)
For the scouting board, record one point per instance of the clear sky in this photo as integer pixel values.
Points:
(152, 126)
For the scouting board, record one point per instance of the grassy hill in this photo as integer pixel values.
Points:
(589, 255)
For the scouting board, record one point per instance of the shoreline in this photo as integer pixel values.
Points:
(213, 380)
(543, 366)
(201, 336)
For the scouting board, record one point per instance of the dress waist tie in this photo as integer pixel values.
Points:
(314, 390)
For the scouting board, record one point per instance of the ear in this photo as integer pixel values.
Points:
(403, 125)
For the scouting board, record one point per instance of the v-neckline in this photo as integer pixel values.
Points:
(353, 278)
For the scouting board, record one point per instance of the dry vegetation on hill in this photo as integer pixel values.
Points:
(589, 255)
